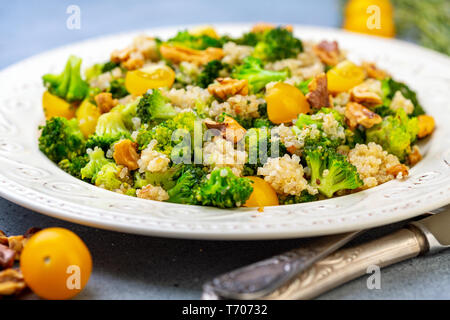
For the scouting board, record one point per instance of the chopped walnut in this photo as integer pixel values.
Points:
(7, 257)
(398, 171)
(11, 282)
(3, 238)
(129, 57)
(264, 26)
(328, 52)
(368, 92)
(105, 102)
(150, 192)
(125, 154)
(16, 243)
(356, 113)
(318, 92)
(426, 125)
(224, 88)
(199, 57)
(230, 129)
(373, 72)
(415, 156)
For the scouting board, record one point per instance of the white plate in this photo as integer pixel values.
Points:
(29, 179)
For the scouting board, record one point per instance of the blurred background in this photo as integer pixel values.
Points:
(29, 27)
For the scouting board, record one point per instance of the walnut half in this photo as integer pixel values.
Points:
(318, 92)
(105, 102)
(356, 114)
(11, 282)
(328, 52)
(230, 129)
(224, 88)
(125, 154)
(198, 57)
(368, 92)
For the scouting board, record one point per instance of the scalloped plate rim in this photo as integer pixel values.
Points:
(271, 230)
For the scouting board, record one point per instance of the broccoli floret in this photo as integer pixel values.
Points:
(339, 175)
(277, 44)
(200, 42)
(223, 189)
(395, 134)
(305, 120)
(182, 124)
(189, 180)
(263, 119)
(96, 161)
(166, 179)
(108, 66)
(68, 85)
(390, 87)
(111, 124)
(108, 177)
(383, 110)
(312, 139)
(209, 73)
(102, 142)
(260, 146)
(61, 139)
(74, 166)
(117, 88)
(249, 39)
(128, 112)
(292, 199)
(154, 106)
(257, 77)
(353, 137)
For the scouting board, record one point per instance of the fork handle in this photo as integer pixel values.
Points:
(350, 263)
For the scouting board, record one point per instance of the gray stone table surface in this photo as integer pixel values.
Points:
(138, 267)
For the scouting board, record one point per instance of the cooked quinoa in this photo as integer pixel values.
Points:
(285, 175)
(372, 161)
(205, 119)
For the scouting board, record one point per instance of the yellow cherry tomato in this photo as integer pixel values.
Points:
(285, 102)
(139, 81)
(204, 31)
(344, 76)
(87, 116)
(374, 17)
(56, 107)
(263, 194)
(56, 264)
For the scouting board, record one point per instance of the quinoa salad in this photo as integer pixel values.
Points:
(259, 120)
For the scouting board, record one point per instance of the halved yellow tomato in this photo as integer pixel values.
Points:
(87, 116)
(285, 102)
(344, 76)
(139, 81)
(56, 107)
(263, 194)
